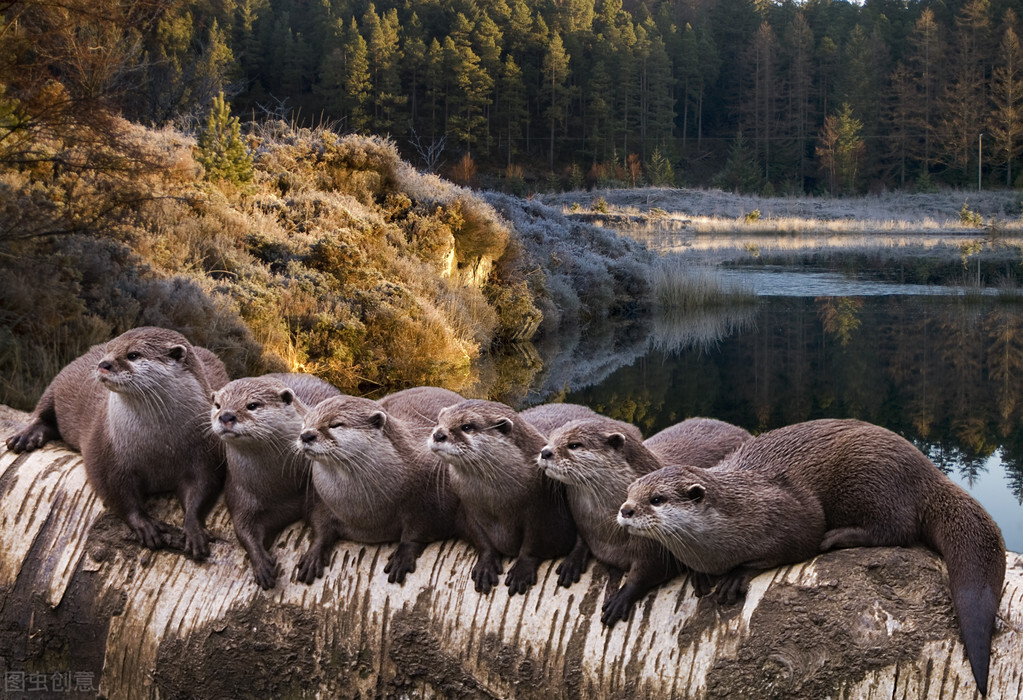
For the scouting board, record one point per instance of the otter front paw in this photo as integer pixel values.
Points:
(31, 438)
(521, 576)
(703, 583)
(486, 574)
(310, 566)
(401, 562)
(197, 543)
(151, 533)
(733, 586)
(265, 572)
(571, 569)
(616, 607)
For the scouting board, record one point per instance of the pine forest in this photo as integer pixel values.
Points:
(822, 96)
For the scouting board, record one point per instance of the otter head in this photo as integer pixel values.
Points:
(149, 360)
(347, 432)
(256, 410)
(670, 505)
(476, 437)
(590, 453)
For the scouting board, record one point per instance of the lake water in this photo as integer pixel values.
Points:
(941, 368)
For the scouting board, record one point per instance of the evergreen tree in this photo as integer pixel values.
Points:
(469, 92)
(555, 73)
(840, 149)
(799, 91)
(221, 149)
(1006, 124)
(384, 58)
(513, 105)
(741, 172)
(357, 81)
(964, 101)
(926, 66)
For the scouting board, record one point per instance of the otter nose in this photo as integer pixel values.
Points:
(228, 418)
(106, 366)
(627, 511)
(439, 435)
(308, 437)
(546, 453)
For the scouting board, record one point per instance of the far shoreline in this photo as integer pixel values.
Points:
(961, 213)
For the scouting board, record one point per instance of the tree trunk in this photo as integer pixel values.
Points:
(81, 604)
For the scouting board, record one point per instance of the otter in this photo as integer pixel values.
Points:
(375, 474)
(696, 442)
(136, 408)
(268, 486)
(597, 459)
(511, 508)
(548, 416)
(790, 493)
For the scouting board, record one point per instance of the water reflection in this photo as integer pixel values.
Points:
(940, 370)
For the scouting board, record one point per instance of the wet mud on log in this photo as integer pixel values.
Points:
(79, 597)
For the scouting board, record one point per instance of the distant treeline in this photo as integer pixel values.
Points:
(822, 94)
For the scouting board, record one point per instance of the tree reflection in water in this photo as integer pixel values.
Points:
(942, 371)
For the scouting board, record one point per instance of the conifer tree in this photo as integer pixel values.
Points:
(512, 105)
(357, 81)
(1006, 124)
(741, 172)
(840, 149)
(555, 74)
(221, 150)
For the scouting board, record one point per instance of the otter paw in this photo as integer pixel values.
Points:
(486, 575)
(310, 566)
(399, 564)
(521, 576)
(197, 543)
(732, 587)
(703, 584)
(570, 570)
(31, 438)
(265, 573)
(152, 534)
(616, 607)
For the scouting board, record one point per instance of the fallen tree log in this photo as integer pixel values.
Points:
(84, 609)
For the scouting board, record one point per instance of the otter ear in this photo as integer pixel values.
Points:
(616, 440)
(695, 493)
(504, 425)
(177, 352)
(287, 396)
(378, 419)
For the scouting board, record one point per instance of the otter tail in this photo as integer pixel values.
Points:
(974, 552)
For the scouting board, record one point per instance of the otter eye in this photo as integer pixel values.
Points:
(336, 424)
(468, 428)
(657, 500)
(574, 445)
(132, 356)
(252, 406)
(216, 405)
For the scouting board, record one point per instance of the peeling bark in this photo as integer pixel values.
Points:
(79, 596)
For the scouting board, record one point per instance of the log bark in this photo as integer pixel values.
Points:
(81, 602)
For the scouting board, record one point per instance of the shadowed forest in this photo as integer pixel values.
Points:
(817, 96)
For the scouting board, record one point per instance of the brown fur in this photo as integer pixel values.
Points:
(372, 469)
(136, 408)
(548, 416)
(597, 459)
(792, 492)
(269, 485)
(511, 508)
(696, 442)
